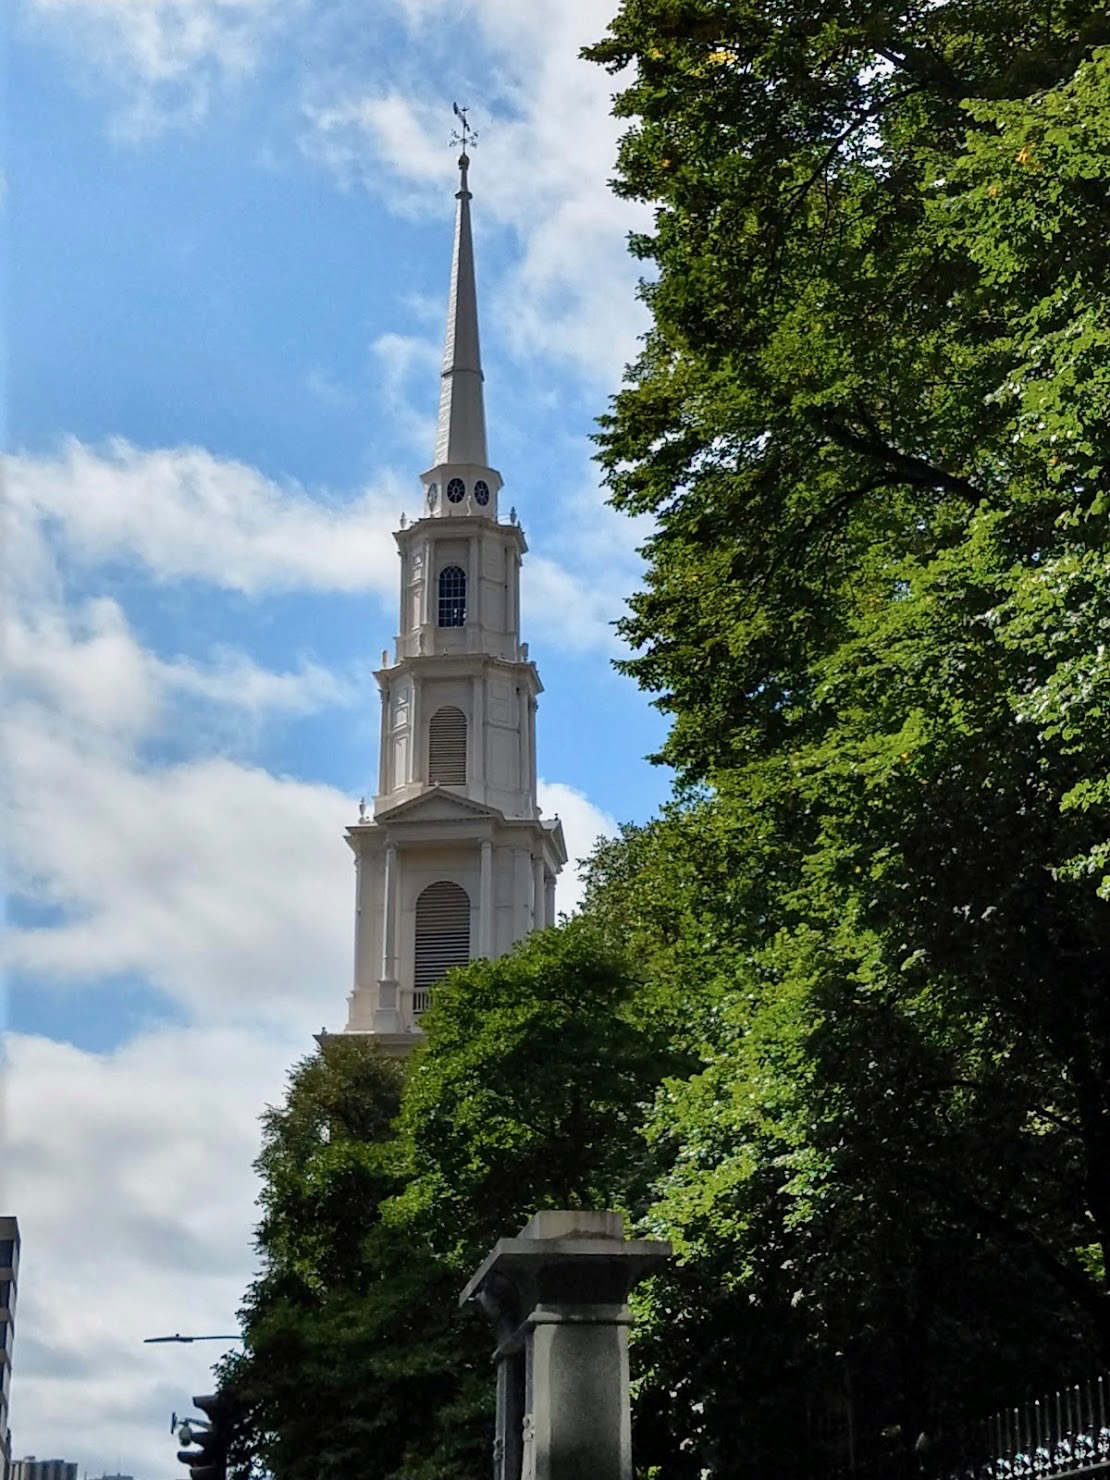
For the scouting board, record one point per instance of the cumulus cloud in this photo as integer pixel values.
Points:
(583, 824)
(542, 170)
(167, 56)
(185, 514)
(408, 365)
(131, 1173)
(87, 661)
(223, 886)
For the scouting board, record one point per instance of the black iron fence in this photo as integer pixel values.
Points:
(1064, 1433)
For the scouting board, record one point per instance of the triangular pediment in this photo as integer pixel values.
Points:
(438, 805)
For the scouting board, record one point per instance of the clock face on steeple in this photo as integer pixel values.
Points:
(456, 490)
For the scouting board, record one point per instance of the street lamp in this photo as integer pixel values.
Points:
(150, 1340)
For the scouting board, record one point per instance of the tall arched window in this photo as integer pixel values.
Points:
(442, 938)
(452, 596)
(447, 746)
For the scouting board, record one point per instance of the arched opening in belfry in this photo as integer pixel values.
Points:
(447, 746)
(442, 938)
(452, 596)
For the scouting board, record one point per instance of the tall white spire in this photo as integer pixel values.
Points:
(461, 431)
(456, 860)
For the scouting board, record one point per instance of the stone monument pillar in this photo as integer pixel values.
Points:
(558, 1295)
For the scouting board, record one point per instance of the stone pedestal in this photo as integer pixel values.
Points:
(558, 1295)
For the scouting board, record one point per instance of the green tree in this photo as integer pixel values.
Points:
(839, 325)
(870, 424)
(531, 1089)
(353, 1361)
(383, 1188)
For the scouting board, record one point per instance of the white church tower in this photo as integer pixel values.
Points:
(455, 861)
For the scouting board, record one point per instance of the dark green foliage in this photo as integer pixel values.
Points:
(383, 1189)
(872, 422)
(531, 1090)
(354, 1362)
(868, 318)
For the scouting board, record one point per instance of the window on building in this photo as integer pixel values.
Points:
(442, 938)
(452, 596)
(456, 490)
(447, 746)
(7, 1249)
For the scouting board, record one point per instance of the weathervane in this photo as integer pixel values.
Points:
(464, 134)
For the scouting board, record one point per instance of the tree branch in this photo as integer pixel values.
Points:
(910, 469)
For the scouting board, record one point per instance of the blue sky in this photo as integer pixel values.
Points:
(227, 228)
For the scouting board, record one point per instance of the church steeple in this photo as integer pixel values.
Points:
(462, 482)
(461, 429)
(455, 860)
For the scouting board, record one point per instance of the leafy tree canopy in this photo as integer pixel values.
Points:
(383, 1187)
(878, 307)
(871, 424)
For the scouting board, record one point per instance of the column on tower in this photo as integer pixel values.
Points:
(486, 900)
(389, 929)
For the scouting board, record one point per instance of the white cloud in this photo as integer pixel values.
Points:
(584, 570)
(223, 886)
(587, 601)
(131, 1175)
(89, 663)
(185, 514)
(583, 824)
(408, 366)
(168, 57)
(542, 170)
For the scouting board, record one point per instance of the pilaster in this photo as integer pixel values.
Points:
(486, 897)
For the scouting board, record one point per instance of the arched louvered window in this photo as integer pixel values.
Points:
(452, 596)
(442, 938)
(447, 746)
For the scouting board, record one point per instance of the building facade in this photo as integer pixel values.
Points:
(9, 1279)
(454, 861)
(43, 1469)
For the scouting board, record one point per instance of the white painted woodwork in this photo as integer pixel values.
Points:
(456, 835)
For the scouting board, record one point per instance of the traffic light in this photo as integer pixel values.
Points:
(209, 1460)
